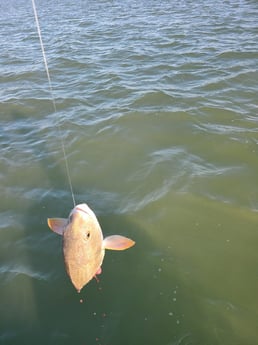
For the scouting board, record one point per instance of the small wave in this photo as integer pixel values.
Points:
(134, 203)
(11, 271)
(153, 98)
(225, 129)
(233, 55)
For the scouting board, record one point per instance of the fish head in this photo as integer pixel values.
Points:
(82, 220)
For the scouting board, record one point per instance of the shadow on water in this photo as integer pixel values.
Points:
(142, 297)
(134, 303)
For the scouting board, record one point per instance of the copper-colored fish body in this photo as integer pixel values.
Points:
(83, 244)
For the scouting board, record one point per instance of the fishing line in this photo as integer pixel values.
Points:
(53, 99)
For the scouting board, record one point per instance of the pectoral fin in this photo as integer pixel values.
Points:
(57, 225)
(117, 242)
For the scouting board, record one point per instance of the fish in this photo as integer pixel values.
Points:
(84, 245)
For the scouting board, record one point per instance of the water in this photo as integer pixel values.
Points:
(157, 103)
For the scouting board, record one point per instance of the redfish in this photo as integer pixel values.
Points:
(84, 245)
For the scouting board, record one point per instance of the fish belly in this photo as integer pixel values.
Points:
(81, 261)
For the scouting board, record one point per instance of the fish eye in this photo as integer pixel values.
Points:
(70, 218)
(86, 236)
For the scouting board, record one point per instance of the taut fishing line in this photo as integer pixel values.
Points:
(53, 99)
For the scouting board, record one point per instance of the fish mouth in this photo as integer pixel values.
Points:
(80, 208)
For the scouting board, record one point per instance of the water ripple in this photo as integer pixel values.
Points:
(12, 271)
